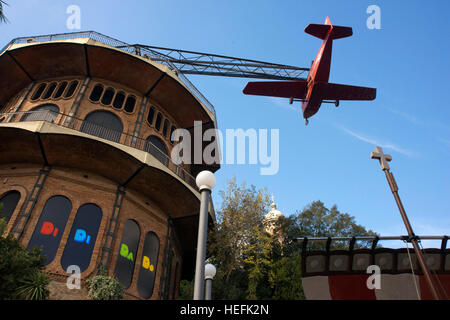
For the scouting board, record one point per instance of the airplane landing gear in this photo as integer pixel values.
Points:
(336, 103)
(306, 122)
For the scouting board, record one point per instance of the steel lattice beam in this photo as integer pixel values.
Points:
(191, 62)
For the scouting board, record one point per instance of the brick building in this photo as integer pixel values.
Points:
(85, 166)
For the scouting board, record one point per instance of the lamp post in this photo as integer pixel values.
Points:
(210, 272)
(205, 182)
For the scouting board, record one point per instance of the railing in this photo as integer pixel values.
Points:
(141, 51)
(100, 131)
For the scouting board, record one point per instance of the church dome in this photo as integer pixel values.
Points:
(273, 213)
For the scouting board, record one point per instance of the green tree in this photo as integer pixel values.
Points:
(253, 264)
(318, 221)
(2, 14)
(21, 270)
(235, 248)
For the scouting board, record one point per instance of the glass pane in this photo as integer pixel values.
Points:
(165, 128)
(9, 203)
(96, 93)
(118, 100)
(50, 90)
(50, 227)
(82, 237)
(127, 253)
(158, 122)
(71, 90)
(129, 105)
(171, 132)
(108, 96)
(147, 271)
(60, 91)
(38, 92)
(151, 115)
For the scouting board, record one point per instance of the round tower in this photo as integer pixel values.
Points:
(85, 161)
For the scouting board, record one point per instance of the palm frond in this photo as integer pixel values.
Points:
(2, 15)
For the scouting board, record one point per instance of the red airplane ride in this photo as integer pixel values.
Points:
(316, 89)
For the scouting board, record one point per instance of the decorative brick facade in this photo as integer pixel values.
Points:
(89, 167)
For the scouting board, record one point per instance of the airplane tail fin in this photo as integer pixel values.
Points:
(322, 30)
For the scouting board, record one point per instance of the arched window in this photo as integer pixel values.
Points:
(172, 129)
(130, 103)
(50, 227)
(96, 93)
(62, 86)
(37, 94)
(81, 242)
(156, 147)
(165, 128)
(127, 253)
(158, 121)
(118, 100)
(46, 112)
(72, 87)
(149, 262)
(151, 115)
(9, 203)
(51, 88)
(103, 124)
(108, 96)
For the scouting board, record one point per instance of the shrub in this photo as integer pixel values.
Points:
(102, 287)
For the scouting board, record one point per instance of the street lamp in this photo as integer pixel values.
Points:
(210, 272)
(205, 182)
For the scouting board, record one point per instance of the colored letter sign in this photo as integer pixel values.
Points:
(127, 253)
(82, 237)
(50, 227)
(147, 272)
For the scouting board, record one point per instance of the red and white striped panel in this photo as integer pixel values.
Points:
(354, 287)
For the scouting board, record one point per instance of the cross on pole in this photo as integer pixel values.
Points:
(384, 158)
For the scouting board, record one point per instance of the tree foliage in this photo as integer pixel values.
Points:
(254, 264)
(21, 270)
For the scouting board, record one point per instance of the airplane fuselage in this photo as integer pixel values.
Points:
(319, 73)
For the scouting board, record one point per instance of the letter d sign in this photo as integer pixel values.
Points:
(80, 235)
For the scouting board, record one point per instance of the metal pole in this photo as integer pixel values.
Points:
(201, 246)
(412, 236)
(208, 289)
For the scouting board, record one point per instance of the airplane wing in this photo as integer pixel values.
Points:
(282, 89)
(333, 91)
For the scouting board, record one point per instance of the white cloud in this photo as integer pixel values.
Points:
(284, 103)
(376, 142)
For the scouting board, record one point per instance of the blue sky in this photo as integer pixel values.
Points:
(406, 60)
